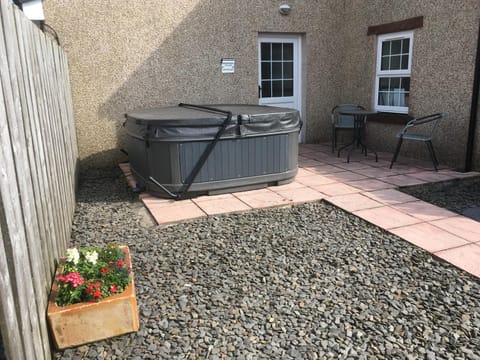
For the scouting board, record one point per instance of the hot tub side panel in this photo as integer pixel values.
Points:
(234, 163)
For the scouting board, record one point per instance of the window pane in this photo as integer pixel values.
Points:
(266, 89)
(288, 88)
(288, 70)
(395, 63)
(288, 51)
(396, 47)
(394, 83)
(276, 70)
(394, 91)
(406, 46)
(276, 51)
(398, 97)
(277, 88)
(383, 85)
(404, 62)
(266, 74)
(406, 83)
(265, 50)
(386, 48)
(385, 63)
(383, 98)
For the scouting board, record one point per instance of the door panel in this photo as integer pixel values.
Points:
(279, 69)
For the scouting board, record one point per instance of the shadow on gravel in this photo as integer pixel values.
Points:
(460, 196)
(104, 185)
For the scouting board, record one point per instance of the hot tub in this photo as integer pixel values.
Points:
(188, 150)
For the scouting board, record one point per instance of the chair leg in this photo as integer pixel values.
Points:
(397, 150)
(432, 154)
(334, 139)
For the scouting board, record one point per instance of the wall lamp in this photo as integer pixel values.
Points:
(285, 9)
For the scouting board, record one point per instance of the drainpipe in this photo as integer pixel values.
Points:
(474, 109)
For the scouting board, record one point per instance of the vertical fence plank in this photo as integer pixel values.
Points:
(38, 162)
(10, 324)
(28, 120)
(18, 183)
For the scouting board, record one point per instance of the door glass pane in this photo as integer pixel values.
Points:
(265, 49)
(266, 89)
(288, 88)
(288, 70)
(277, 88)
(277, 66)
(276, 70)
(266, 74)
(287, 51)
(276, 51)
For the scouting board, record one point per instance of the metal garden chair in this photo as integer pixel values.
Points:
(424, 129)
(340, 121)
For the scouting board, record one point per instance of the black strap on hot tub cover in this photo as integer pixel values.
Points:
(206, 153)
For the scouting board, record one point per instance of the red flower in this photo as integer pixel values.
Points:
(113, 288)
(104, 270)
(97, 294)
(120, 263)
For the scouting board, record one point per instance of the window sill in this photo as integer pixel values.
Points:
(390, 118)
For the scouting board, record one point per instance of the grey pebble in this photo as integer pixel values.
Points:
(307, 281)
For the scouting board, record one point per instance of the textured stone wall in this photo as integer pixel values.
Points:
(127, 54)
(442, 68)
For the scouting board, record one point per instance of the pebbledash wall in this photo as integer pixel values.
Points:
(127, 54)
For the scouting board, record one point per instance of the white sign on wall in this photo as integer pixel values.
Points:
(228, 66)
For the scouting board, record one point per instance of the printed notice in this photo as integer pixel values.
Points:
(228, 66)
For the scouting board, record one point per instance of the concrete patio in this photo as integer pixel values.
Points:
(362, 187)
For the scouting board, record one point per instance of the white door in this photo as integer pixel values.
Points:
(279, 70)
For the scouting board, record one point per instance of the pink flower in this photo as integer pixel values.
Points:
(113, 288)
(73, 278)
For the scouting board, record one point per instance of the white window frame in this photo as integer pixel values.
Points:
(392, 73)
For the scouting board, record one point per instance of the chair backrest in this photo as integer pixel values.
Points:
(426, 125)
(344, 120)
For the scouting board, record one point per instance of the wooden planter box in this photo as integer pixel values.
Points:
(81, 323)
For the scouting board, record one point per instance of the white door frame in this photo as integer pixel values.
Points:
(296, 100)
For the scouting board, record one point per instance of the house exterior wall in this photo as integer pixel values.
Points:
(443, 63)
(125, 55)
(129, 54)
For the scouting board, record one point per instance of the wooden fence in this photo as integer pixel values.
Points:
(38, 162)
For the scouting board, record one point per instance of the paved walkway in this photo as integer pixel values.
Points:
(363, 187)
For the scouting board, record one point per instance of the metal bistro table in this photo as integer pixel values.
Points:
(359, 123)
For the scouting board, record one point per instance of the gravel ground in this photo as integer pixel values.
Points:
(303, 282)
(458, 196)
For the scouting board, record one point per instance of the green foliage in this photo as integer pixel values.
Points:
(91, 274)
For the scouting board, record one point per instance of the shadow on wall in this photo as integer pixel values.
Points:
(186, 67)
